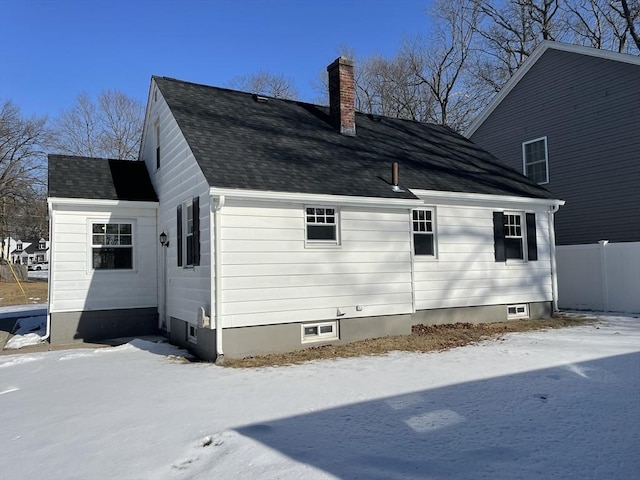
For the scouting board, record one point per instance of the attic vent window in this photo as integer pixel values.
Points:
(260, 98)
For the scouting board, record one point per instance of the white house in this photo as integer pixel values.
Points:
(102, 272)
(286, 224)
(25, 252)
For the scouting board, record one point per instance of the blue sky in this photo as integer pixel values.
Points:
(51, 50)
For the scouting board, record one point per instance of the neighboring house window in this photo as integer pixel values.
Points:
(42, 246)
(39, 258)
(188, 223)
(535, 160)
(514, 235)
(317, 332)
(18, 247)
(423, 232)
(112, 246)
(157, 145)
(322, 225)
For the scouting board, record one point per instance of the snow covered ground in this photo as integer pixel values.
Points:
(559, 404)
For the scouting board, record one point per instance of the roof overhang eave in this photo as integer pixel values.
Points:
(87, 202)
(314, 198)
(482, 199)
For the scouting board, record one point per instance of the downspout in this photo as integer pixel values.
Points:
(216, 202)
(47, 332)
(552, 246)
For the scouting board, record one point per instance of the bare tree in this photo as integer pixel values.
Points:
(509, 31)
(110, 127)
(22, 156)
(630, 12)
(22, 169)
(265, 83)
(389, 87)
(442, 63)
(602, 23)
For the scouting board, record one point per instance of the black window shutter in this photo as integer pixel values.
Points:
(196, 230)
(532, 244)
(179, 216)
(498, 236)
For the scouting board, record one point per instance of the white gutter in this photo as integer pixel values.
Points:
(101, 203)
(289, 197)
(216, 204)
(481, 199)
(552, 245)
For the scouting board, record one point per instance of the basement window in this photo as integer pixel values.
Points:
(192, 333)
(317, 332)
(517, 311)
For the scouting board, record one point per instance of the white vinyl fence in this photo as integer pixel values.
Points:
(601, 276)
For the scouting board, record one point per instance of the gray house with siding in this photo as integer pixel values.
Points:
(569, 119)
(281, 225)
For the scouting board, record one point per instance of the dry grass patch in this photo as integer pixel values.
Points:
(423, 339)
(35, 292)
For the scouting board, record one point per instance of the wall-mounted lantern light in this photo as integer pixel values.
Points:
(164, 241)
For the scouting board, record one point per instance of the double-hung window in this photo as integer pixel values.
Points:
(535, 160)
(112, 246)
(188, 224)
(423, 232)
(514, 235)
(322, 225)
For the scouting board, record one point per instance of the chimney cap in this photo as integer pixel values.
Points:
(341, 61)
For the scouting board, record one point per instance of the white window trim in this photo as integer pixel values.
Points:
(434, 229)
(90, 246)
(192, 333)
(546, 157)
(320, 337)
(523, 313)
(523, 236)
(322, 243)
(185, 229)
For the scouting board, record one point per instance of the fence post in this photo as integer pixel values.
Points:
(604, 274)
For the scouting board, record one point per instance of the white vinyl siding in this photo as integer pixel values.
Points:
(466, 273)
(178, 180)
(76, 286)
(269, 277)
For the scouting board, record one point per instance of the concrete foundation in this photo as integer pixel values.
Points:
(264, 339)
(68, 327)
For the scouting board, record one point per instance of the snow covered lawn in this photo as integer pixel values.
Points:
(557, 404)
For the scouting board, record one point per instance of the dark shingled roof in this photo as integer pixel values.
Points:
(289, 146)
(99, 179)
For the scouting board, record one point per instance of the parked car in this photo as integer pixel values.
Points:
(39, 266)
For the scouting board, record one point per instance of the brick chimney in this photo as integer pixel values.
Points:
(342, 96)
